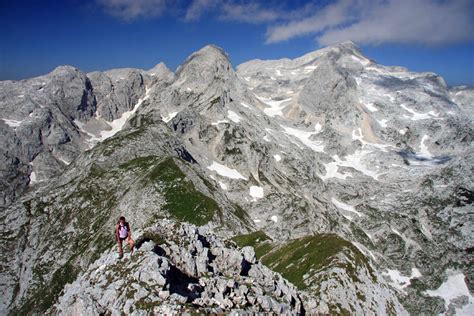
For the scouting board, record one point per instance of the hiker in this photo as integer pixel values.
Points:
(123, 232)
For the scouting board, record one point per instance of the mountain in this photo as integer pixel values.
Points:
(352, 182)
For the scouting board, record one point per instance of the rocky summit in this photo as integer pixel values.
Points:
(325, 184)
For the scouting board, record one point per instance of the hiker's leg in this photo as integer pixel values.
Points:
(119, 243)
(131, 243)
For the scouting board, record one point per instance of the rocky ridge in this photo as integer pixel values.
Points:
(181, 268)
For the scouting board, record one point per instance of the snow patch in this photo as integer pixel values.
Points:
(276, 107)
(352, 161)
(400, 281)
(454, 287)
(256, 192)
(345, 207)
(223, 185)
(424, 149)
(245, 105)
(370, 106)
(64, 161)
(219, 122)
(169, 117)
(12, 123)
(311, 68)
(225, 171)
(304, 137)
(118, 124)
(233, 116)
(274, 218)
(33, 178)
(420, 116)
(277, 158)
(383, 123)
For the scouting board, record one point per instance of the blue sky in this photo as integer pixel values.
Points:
(422, 35)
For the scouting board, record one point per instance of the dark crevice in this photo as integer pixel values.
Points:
(245, 265)
(183, 284)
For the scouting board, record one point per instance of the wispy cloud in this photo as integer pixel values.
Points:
(377, 21)
(362, 21)
(128, 10)
(329, 16)
(198, 7)
(248, 13)
(408, 21)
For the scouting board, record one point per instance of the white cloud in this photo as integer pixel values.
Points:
(248, 13)
(198, 7)
(128, 10)
(331, 15)
(378, 21)
(413, 21)
(228, 10)
(361, 21)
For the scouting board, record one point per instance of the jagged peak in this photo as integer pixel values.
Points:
(159, 67)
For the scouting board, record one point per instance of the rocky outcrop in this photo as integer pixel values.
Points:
(180, 268)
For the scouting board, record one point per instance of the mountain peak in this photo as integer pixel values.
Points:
(206, 64)
(209, 54)
(159, 70)
(349, 44)
(212, 51)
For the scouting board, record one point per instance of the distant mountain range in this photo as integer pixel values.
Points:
(352, 181)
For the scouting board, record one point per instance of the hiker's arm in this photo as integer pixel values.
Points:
(117, 232)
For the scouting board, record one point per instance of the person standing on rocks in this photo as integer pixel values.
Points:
(123, 232)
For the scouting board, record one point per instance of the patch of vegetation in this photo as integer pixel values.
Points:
(312, 253)
(46, 295)
(258, 240)
(241, 214)
(183, 201)
(216, 101)
(232, 151)
(111, 144)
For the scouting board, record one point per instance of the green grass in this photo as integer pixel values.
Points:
(241, 214)
(258, 240)
(183, 201)
(301, 256)
(46, 295)
(312, 253)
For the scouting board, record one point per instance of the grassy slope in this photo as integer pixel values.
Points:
(302, 256)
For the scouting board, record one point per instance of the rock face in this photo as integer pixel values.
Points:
(49, 120)
(180, 268)
(350, 179)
